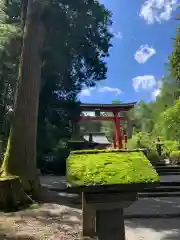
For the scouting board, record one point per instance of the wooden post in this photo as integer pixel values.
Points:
(114, 140)
(110, 224)
(89, 216)
(75, 131)
(125, 139)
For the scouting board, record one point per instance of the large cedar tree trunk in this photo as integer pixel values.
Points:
(20, 157)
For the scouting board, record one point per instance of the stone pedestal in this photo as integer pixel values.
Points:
(103, 214)
(89, 216)
(110, 224)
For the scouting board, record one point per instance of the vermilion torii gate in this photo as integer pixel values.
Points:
(115, 109)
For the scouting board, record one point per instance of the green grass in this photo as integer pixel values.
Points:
(109, 167)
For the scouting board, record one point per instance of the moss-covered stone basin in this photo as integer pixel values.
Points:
(108, 167)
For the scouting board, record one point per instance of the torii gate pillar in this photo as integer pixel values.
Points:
(113, 108)
(117, 137)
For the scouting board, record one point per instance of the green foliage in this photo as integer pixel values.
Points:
(54, 161)
(170, 146)
(140, 140)
(108, 126)
(153, 156)
(76, 44)
(78, 54)
(109, 167)
(142, 116)
(7, 31)
(147, 117)
(62, 151)
(159, 128)
(175, 60)
(175, 157)
(171, 122)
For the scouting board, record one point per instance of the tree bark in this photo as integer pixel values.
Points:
(24, 4)
(12, 195)
(20, 157)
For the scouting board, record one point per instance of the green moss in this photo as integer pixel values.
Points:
(92, 151)
(109, 167)
(6, 178)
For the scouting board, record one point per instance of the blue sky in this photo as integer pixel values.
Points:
(143, 32)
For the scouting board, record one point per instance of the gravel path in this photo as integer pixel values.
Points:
(59, 222)
(60, 219)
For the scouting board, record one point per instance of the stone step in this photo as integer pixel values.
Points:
(168, 173)
(159, 165)
(158, 194)
(169, 184)
(168, 167)
(162, 189)
(158, 162)
(167, 170)
(161, 161)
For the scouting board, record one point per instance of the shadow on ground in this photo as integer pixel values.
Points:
(7, 235)
(149, 229)
(48, 221)
(59, 217)
(143, 227)
(54, 218)
(156, 207)
(61, 198)
(156, 219)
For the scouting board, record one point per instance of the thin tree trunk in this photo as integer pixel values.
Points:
(20, 158)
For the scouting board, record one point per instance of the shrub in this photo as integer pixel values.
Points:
(170, 146)
(175, 157)
(55, 161)
(140, 140)
(109, 167)
(170, 120)
(153, 156)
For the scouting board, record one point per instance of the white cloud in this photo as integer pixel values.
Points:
(145, 82)
(144, 53)
(86, 92)
(118, 35)
(159, 84)
(149, 83)
(155, 93)
(158, 10)
(117, 91)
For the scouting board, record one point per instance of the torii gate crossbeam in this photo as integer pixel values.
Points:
(113, 108)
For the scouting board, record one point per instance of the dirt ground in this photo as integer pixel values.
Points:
(59, 218)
